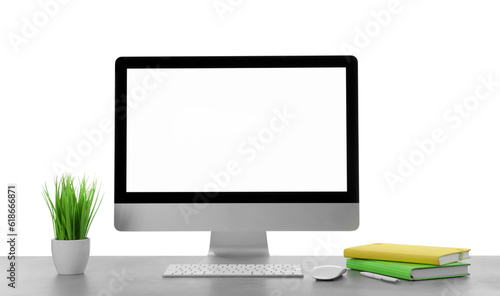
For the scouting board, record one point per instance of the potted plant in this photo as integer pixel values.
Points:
(73, 209)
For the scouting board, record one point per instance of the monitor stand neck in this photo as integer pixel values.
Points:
(238, 244)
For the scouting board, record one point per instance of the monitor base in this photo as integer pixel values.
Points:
(238, 244)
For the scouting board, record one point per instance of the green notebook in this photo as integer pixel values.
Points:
(410, 271)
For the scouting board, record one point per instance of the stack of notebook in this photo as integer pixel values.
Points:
(409, 262)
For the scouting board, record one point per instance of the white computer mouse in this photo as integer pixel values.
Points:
(327, 272)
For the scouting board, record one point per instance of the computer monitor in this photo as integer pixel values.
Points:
(237, 146)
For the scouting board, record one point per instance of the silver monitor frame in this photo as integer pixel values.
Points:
(238, 228)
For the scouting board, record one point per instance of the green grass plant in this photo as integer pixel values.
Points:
(73, 207)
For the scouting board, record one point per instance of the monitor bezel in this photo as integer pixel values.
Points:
(120, 164)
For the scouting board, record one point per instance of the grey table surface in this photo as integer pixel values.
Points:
(142, 276)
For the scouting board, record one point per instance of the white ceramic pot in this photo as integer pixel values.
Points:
(70, 256)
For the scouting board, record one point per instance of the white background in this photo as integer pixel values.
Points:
(278, 129)
(427, 57)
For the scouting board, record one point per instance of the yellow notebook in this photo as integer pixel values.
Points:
(408, 253)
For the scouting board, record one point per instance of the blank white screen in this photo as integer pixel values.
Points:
(250, 129)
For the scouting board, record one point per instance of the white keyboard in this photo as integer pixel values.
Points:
(233, 270)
